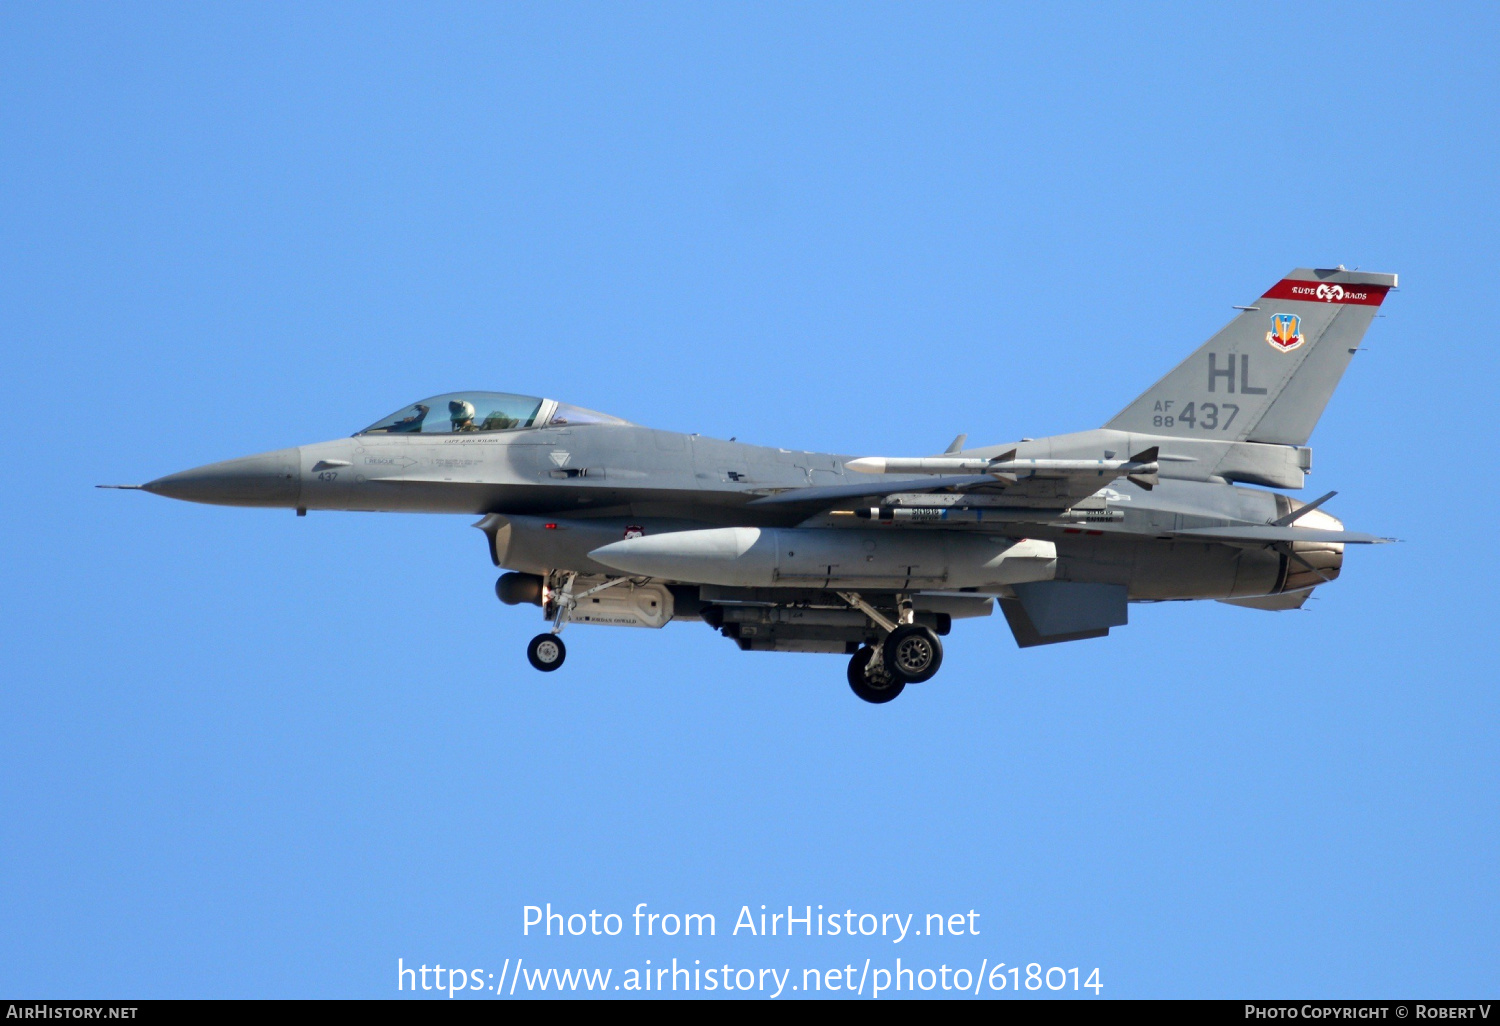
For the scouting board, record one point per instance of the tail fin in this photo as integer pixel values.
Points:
(1267, 376)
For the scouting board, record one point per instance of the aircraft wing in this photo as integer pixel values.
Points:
(1271, 533)
(1058, 491)
(1241, 534)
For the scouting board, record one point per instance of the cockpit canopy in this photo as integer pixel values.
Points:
(466, 412)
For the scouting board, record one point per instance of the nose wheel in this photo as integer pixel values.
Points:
(546, 652)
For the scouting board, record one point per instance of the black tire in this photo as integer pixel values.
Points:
(912, 654)
(546, 652)
(863, 686)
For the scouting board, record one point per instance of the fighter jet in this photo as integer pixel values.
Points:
(600, 521)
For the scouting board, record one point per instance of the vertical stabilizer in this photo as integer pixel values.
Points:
(1267, 376)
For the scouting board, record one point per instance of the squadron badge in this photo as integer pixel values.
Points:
(1286, 332)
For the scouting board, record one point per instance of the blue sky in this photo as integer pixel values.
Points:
(248, 754)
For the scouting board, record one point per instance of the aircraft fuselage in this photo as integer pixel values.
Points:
(605, 479)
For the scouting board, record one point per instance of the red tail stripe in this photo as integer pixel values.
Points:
(1327, 292)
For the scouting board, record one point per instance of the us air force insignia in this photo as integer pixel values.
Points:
(1286, 332)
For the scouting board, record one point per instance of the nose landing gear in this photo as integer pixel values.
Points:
(546, 652)
(555, 595)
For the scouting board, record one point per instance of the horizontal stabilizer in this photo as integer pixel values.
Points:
(1273, 603)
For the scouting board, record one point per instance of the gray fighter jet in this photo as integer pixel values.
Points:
(600, 521)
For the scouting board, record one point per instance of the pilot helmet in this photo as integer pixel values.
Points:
(460, 410)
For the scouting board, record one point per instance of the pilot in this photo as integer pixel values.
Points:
(461, 412)
(411, 424)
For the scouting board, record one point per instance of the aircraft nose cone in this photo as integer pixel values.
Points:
(270, 479)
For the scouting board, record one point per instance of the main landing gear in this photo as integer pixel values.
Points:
(908, 654)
